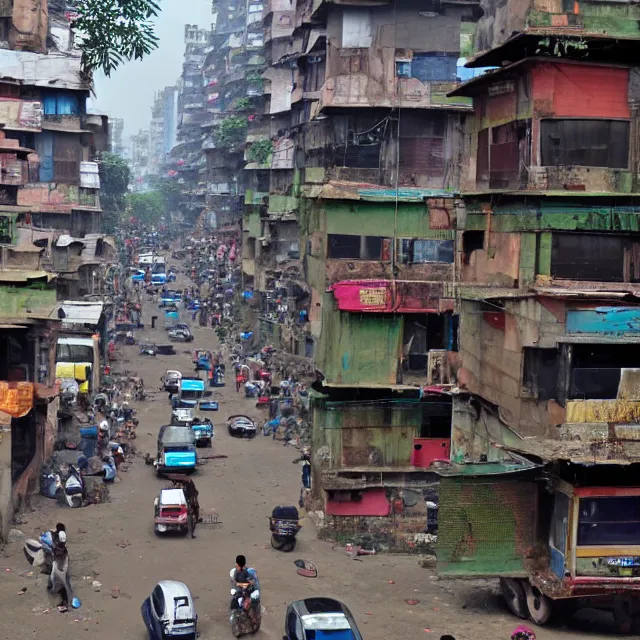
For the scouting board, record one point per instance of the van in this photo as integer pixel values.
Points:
(79, 359)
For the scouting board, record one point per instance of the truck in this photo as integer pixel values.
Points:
(78, 358)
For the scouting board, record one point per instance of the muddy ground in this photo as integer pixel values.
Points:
(114, 543)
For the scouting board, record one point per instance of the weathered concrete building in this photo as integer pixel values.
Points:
(349, 241)
(28, 391)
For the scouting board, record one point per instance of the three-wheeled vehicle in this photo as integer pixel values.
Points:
(182, 417)
(190, 392)
(242, 426)
(171, 317)
(170, 511)
(284, 525)
(169, 612)
(202, 360)
(176, 450)
(171, 381)
(202, 430)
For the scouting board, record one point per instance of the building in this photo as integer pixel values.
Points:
(28, 391)
(116, 140)
(51, 245)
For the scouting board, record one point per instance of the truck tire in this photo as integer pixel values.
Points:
(540, 607)
(513, 593)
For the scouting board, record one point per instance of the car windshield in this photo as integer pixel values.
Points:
(177, 435)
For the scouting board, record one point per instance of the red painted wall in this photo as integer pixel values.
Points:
(426, 450)
(374, 502)
(572, 90)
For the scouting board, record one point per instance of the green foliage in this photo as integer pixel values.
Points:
(232, 132)
(260, 151)
(110, 32)
(170, 189)
(243, 104)
(147, 207)
(254, 78)
(114, 183)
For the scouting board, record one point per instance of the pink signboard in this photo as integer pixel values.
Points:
(390, 296)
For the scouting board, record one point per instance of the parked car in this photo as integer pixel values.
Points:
(242, 426)
(170, 512)
(169, 612)
(171, 380)
(314, 618)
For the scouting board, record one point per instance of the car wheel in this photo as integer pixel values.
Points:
(289, 545)
(540, 607)
(513, 593)
(276, 544)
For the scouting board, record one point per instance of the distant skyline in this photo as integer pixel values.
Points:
(130, 90)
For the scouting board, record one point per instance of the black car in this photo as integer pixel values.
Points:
(316, 618)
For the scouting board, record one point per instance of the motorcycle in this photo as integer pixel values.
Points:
(245, 610)
(73, 488)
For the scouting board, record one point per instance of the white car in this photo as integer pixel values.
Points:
(169, 612)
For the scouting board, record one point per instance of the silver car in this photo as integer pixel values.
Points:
(169, 612)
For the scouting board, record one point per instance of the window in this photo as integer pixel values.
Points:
(422, 147)
(9, 90)
(359, 247)
(586, 143)
(60, 104)
(403, 68)
(74, 353)
(609, 521)
(599, 371)
(356, 29)
(471, 241)
(434, 67)
(422, 251)
(539, 376)
(157, 601)
(560, 522)
(595, 257)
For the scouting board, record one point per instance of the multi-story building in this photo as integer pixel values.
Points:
(546, 248)
(50, 241)
(116, 141)
(139, 160)
(349, 233)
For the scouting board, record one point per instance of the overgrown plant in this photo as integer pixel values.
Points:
(260, 151)
(232, 132)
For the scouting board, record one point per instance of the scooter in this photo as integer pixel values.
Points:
(73, 488)
(245, 610)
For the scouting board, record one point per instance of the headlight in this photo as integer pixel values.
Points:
(233, 592)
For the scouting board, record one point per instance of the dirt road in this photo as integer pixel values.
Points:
(114, 544)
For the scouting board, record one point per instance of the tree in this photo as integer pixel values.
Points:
(147, 207)
(110, 32)
(114, 183)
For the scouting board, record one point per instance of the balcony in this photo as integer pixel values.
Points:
(62, 123)
(89, 198)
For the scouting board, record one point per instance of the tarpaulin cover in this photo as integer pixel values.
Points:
(16, 398)
(192, 385)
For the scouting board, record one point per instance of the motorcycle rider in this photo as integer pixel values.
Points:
(241, 565)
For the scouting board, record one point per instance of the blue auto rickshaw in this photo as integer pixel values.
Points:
(171, 318)
(190, 392)
(176, 450)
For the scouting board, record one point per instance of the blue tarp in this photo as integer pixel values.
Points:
(192, 385)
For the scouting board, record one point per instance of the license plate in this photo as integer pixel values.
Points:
(625, 572)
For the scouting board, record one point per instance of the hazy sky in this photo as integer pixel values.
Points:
(129, 92)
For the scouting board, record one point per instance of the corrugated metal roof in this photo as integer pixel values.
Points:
(81, 312)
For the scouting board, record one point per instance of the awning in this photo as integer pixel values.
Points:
(18, 275)
(81, 312)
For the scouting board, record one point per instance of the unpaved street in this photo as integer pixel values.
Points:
(114, 543)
